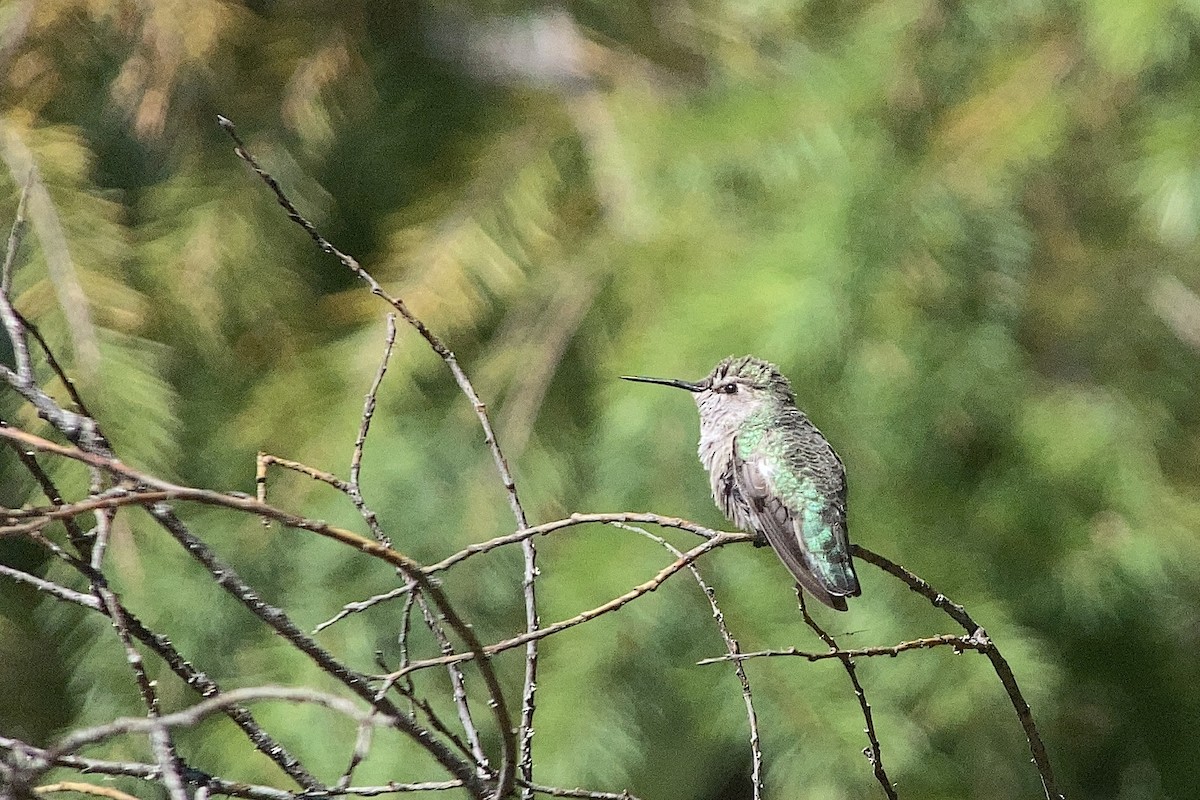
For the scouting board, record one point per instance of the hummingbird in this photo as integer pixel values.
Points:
(773, 473)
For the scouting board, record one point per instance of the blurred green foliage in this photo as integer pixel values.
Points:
(967, 230)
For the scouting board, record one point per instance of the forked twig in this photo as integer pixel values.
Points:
(525, 734)
(734, 650)
(130, 487)
(231, 582)
(353, 490)
(873, 751)
(959, 614)
(957, 643)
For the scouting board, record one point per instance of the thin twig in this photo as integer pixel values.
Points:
(78, 428)
(48, 224)
(958, 643)
(554, 791)
(873, 751)
(203, 685)
(574, 519)
(97, 541)
(435, 721)
(51, 588)
(525, 733)
(194, 715)
(733, 648)
(364, 426)
(15, 236)
(362, 747)
(457, 684)
(544, 529)
(79, 539)
(8, 314)
(612, 605)
(362, 605)
(959, 614)
(267, 460)
(55, 366)
(84, 788)
(353, 490)
(160, 737)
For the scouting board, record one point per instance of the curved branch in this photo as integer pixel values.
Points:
(507, 738)
(1003, 671)
(229, 580)
(612, 605)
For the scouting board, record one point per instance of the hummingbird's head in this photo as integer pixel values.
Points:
(752, 377)
(735, 389)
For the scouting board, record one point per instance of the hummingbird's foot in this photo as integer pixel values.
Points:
(760, 540)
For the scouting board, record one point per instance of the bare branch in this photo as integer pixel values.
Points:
(49, 587)
(612, 605)
(733, 648)
(8, 314)
(457, 683)
(364, 426)
(958, 643)
(222, 786)
(556, 792)
(84, 788)
(160, 738)
(874, 751)
(267, 460)
(81, 541)
(576, 519)
(47, 223)
(215, 784)
(200, 682)
(524, 756)
(15, 236)
(55, 366)
(194, 715)
(959, 614)
(228, 579)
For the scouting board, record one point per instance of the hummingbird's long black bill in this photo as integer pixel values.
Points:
(678, 384)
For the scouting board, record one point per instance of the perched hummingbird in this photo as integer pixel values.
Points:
(773, 473)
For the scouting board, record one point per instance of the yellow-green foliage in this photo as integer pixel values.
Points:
(951, 224)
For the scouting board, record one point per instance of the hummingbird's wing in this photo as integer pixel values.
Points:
(803, 516)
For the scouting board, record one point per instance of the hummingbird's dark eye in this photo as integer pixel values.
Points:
(729, 388)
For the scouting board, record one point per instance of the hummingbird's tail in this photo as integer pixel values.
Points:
(831, 582)
(814, 587)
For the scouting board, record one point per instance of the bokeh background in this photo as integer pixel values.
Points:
(967, 231)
